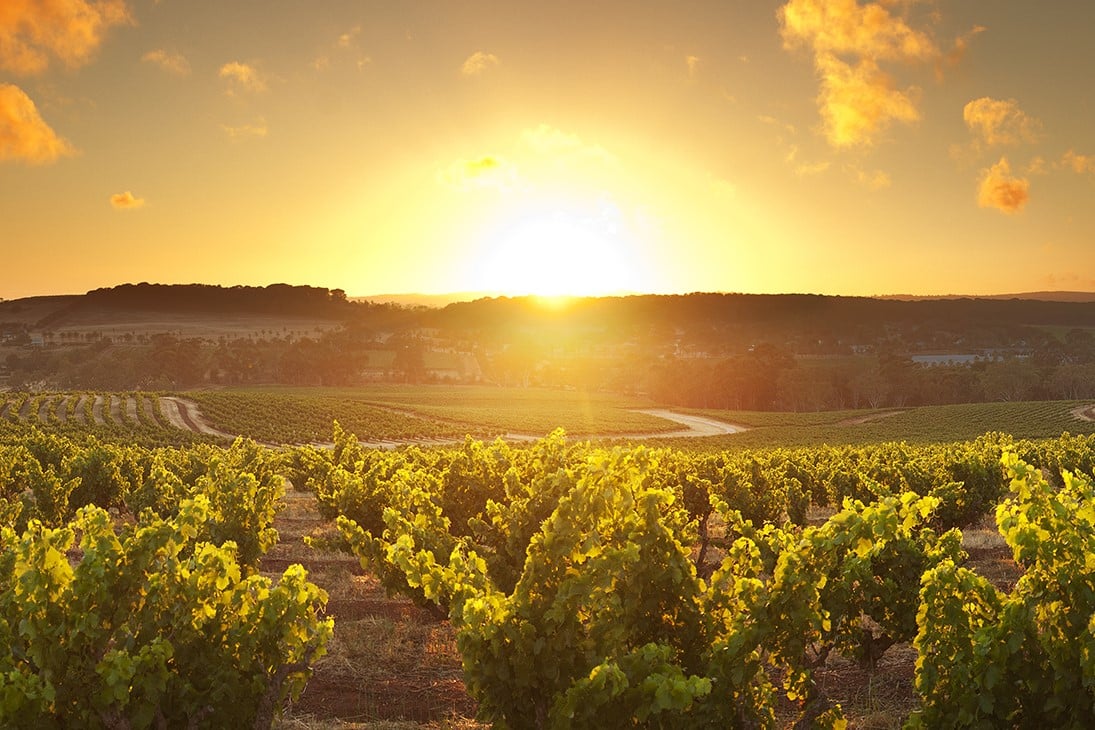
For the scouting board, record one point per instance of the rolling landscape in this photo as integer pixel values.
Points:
(447, 366)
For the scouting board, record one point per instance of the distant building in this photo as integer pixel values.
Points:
(948, 359)
(37, 339)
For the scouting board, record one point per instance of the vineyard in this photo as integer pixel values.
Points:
(552, 584)
(923, 424)
(402, 413)
(392, 416)
(141, 418)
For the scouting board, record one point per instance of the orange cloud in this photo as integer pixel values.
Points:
(845, 27)
(1079, 164)
(1000, 122)
(693, 63)
(174, 63)
(857, 103)
(24, 136)
(31, 31)
(126, 201)
(242, 77)
(1001, 190)
(479, 62)
(858, 100)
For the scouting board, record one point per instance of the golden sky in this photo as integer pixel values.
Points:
(828, 146)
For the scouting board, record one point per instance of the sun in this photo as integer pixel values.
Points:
(560, 253)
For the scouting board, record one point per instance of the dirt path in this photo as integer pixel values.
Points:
(868, 418)
(1084, 413)
(185, 414)
(97, 411)
(131, 409)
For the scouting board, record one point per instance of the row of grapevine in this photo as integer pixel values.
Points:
(295, 419)
(121, 417)
(129, 591)
(587, 585)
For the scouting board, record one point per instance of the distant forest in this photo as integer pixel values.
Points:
(735, 351)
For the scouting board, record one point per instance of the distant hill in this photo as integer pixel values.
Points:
(1039, 296)
(433, 301)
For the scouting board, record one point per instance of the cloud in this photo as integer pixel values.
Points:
(1001, 190)
(1000, 122)
(961, 45)
(552, 142)
(693, 63)
(810, 169)
(174, 63)
(31, 31)
(258, 130)
(876, 180)
(858, 100)
(857, 103)
(344, 48)
(1079, 164)
(347, 39)
(242, 77)
(1037, 166)
(479, 62)
(126, 201)
(488, 171)
(845, 27)
(24, 136)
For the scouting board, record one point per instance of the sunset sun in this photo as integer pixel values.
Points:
(555, 253)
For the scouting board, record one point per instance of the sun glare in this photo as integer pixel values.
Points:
(559, 254)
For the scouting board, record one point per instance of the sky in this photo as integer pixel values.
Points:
(382, 146)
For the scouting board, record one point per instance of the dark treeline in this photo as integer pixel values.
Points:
(274, 299)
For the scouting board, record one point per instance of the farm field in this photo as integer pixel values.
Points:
(386, 413)
(489, 522)
(390, 416)
(923, 424)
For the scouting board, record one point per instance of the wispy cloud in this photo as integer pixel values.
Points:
(479, 62)
(1080, 164)
(1001, 190)
(33, 31)
(256, 130)
(344, 47)
(693, 63)
(848, 40)
(349, 38)
(242, 77)
(1000, 122)
(174, 63)
(549, 141)
(872, 180)
(24, 136)
(126, 201)
(488, 171)
(811, 169)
